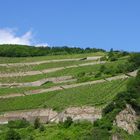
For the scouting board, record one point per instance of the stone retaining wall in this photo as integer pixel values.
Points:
(48, 115)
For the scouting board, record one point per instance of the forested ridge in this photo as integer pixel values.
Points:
(24, 50)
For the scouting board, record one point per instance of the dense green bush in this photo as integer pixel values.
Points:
(18, 124)
(81, 74)
(12, 135)
(103, 123)
(104, 58)
(135, 58)
(41, 128)
(100, 134)
(67, 123)
(37, 123)
(113, 70)
(98, 75)
(115, 55)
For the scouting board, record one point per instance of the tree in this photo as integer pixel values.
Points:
(102, 68)
(111, 55)
(135, 58)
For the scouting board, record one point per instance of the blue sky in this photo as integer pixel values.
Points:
(82, 23)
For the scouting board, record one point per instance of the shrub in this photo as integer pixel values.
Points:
(67, 123)
(100, 134)
(104, 58)
(97, 75)
(12, 135)
(83, 79)
(135, 58)
(41, 128)
(30, 137)
(102, 68)
(18, 124)
(37, 123)
(103, 123)
(81, 74)
(113, 58)
(109, 108)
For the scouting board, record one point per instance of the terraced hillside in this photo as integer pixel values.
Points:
(69, 81)
(32, 87)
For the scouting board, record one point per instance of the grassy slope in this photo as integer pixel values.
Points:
(21, 90)
(95, 95)
(64, 72)
(68, 71)
(4, 69)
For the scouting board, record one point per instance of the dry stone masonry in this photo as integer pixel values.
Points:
(48, 115)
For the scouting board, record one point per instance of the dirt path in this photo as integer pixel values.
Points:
(11, 95)
(62, 79)
(48, 61)
(123, 76)
(29, 73)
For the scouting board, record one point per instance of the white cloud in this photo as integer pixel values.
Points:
(8, 36)
(42, 45)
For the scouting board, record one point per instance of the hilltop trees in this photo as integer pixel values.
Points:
(23, 50)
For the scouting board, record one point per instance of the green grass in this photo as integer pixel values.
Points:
(65, 72)
(12, 69)
(94, 95)
(21, 90)
(42, 58)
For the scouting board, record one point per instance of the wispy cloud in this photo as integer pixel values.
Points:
(8, 36)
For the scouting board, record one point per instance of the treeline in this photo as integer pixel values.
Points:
(24, 51)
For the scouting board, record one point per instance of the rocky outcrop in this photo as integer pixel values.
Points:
(48, 115)
(82, 113)
(126, 119)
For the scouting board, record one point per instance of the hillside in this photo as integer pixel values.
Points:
(74, 96)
